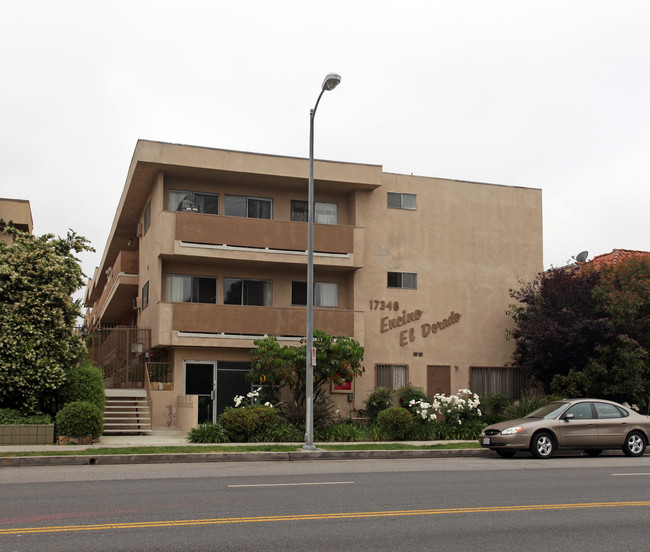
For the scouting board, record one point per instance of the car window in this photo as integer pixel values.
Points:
(607, 411)
(581, 411)
(548, 411)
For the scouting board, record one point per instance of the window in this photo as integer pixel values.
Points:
(581, 411)
(326, 294)
(402, 201)
(194, 202)
(324, 213)
(145, 296)
(251, 207)
(247, 292)
(391, 376)
(147, 217)
(492, 380)
(404, 280)
(191, 289)
(608, 411)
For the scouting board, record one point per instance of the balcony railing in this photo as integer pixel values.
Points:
(120, 352)
(254, 320)
(262, 233)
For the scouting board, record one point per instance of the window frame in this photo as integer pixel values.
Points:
(380, 382)
(402, 196)
(146, 218)
(247, 199)
(401, 280)
(145, 295)
(192, 277)
(187, 193)
(316, 204)
(316, 294)
(267, 293)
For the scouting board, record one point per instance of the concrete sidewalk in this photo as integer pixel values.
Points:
(165, 438)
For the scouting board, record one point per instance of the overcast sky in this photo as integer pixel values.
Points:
(543, 94)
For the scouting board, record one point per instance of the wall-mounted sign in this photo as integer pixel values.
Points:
(406, 318)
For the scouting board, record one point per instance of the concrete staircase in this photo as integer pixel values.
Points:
(127, 412)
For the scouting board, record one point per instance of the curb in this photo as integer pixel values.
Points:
(293, 456)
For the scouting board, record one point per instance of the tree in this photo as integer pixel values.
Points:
(587, 332)
(38, 276)
(557, 324)
(338, 360)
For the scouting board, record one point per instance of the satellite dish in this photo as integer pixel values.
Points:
(582, 257)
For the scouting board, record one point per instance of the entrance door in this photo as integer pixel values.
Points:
(200, 380)
(231, 381)
(216, 384)
(438, 380)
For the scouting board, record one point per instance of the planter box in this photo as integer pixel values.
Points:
(23, 434)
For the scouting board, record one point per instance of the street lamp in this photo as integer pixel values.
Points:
(331, 81)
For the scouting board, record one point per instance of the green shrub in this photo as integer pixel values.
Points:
(422, 431)
(84, 383)
(528, 402)
(241, 424)
(409, 393)
(378, 400)
(371, 432)
(293, 409)
(344, 431)
(395, 422)
(9, 416)
(80, 418)
(495, 403)
(280, 433)
(207, 433)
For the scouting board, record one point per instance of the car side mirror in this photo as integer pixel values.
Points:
(568, 417)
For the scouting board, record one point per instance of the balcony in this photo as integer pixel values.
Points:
(237, 238)
(249, 320)
(115, 306)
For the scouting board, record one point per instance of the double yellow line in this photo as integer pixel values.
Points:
(318, 517)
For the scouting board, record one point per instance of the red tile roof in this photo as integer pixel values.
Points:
(616, 256)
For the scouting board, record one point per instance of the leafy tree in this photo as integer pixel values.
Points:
(38, 276)
(338, 360)
(587, 332)
(557, 323)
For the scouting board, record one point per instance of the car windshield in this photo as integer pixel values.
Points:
(548, 411)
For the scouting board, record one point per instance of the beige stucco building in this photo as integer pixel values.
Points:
(18, 213)
(208, 252)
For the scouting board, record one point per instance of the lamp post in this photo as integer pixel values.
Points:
(331, 81)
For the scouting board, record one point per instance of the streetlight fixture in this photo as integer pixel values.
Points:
(331, 81)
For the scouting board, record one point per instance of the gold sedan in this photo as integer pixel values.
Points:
(591, 425)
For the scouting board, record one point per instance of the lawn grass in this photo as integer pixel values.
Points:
(193, 449)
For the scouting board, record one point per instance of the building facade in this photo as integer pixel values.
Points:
(16, 213)
(207, 253)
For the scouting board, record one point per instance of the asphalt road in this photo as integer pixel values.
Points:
(573, 503)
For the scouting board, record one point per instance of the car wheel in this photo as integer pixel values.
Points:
(542, 445)
(592, 452)
(505, 453)
(634, 444)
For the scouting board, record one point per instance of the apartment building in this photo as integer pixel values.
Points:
(17, 213)
(207, 253)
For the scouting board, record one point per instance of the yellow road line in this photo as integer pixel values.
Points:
(316, 517)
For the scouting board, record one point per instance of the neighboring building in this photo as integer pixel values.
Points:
(17, 213)
(207, 253)
(615, 257)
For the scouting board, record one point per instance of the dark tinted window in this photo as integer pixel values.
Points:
(581, 411)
